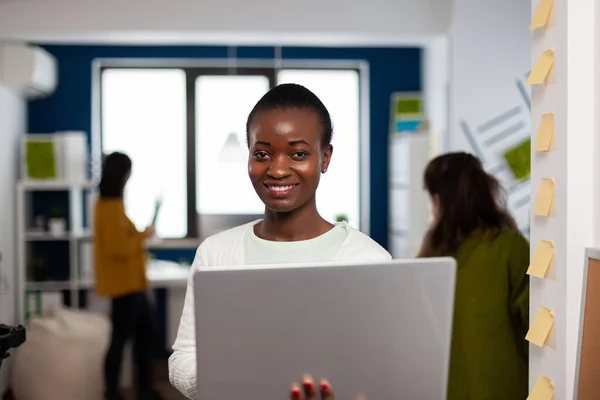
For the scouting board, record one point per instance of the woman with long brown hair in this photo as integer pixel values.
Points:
(489, 354)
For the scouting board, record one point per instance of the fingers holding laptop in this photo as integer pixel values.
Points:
(310, 391)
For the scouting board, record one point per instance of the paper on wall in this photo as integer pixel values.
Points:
(542, 258)
(545, 133)
(542, 68)
(541, 327)
(518, 159)
(545, 198)
(542, 14)
(543, 389)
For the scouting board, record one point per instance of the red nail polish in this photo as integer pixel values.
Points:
(325, 387)
(308, 385)
(295, 393)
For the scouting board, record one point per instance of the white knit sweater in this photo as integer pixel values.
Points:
(227, 249)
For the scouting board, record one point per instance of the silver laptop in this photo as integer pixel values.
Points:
(378, 329)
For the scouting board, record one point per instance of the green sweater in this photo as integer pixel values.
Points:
(489, 354)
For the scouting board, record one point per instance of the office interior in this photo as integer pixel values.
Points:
(171, 85)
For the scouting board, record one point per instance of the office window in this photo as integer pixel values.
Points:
(339, 90)
(222, 107)
(184, 129)
(143, 115)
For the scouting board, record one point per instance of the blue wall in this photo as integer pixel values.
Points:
(391, 69)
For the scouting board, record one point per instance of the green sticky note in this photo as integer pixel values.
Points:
(519, 160)
(40, 159)
(408, 106)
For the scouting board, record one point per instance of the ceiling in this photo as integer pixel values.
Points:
(284, 22)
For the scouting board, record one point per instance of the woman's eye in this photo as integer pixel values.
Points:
(261, 155)
(300, 155)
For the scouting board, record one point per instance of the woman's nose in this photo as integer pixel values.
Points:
(279, 168)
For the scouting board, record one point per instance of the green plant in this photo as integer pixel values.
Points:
(341, 217)
(38, 268)
(56, 212)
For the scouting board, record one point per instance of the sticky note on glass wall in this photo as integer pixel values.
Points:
(543, 389)
(542, 68)
(545, 198)
(542, 14)
(519, 160)
(545, 133)
(541, 327)
(542, 258)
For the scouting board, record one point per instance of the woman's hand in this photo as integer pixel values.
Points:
(309, 391)
(149, 232)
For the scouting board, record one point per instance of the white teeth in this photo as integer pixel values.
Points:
(280, 188)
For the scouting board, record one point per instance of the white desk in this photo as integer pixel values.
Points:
(161, 275)
(173, 277)
(167, 274)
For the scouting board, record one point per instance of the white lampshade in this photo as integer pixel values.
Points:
(233, 151)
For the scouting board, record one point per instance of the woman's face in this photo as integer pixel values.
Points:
(286, 157)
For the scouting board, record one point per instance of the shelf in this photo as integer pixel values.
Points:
(48, 237)
(52, 185)
(48, 285)
(56, 285)
(70, 248)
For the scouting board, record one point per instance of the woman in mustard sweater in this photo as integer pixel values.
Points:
(489, 354)
(120, 261)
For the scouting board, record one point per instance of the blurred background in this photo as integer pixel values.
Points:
(171, 83)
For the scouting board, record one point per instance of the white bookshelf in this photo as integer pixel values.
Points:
(411, 146)
(74, 237)
(408, 201)
(52, 185)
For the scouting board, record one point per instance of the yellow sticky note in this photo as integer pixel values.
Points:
(541, 259)
(542, 68)
(543, 389)
(540, 329)
(542, 14)
(545, 198)
(545, 133)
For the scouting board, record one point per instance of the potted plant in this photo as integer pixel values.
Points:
(341, 218)
(57, 224)
(38, 269)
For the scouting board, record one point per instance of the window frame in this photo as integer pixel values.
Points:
(192, 74)
(193, 69)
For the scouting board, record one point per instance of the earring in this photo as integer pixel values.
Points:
(324, 170)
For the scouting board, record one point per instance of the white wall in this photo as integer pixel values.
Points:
(436, 88)
(224, 21)
(571, 93)
(489, 51)
(583, 20)
(12, 124)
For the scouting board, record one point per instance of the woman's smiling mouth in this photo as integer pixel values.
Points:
(280, 189)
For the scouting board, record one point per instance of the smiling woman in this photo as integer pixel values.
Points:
(285, 169)
(289, 135)
(289, 150)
